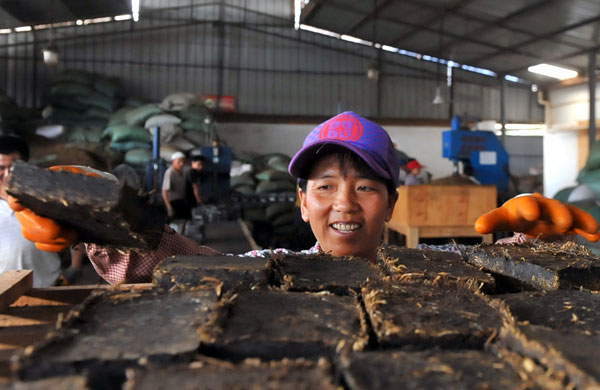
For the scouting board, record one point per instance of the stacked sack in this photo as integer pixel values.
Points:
(127, 134)
(269, 175)
(82, 102)
(196, 126)
(14, 117)
(586, 195)
(184, 125)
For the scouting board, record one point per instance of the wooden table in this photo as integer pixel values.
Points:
(428, 211)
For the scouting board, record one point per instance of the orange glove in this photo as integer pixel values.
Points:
(537, 216)
(47, 234)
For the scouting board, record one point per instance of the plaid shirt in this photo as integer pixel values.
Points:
(135, 265)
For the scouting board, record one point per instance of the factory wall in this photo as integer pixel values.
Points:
(565, 144)
(248, 49)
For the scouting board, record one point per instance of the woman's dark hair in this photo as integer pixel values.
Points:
(346, 160)
(11, 144)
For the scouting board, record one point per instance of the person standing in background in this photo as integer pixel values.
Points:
(17, 252)
(194, 178)
(173, 189)
(414, 169)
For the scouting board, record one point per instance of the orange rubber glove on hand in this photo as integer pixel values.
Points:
(537, 216)
(47, 234)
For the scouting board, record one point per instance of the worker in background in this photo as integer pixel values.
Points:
(16, 252)
(195, 176)
(174, 189)
(413, 168)
(348, 174)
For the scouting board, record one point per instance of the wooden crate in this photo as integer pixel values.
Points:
(441, 211)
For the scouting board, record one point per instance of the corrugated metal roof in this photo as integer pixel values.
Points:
(32, 12)
(503, 36)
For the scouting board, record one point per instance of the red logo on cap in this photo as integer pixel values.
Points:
(342, 127)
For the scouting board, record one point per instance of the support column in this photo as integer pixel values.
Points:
(592, 92)
(503, 107)
(220, 56)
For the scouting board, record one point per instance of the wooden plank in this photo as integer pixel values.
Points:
(415, 233)
(448, 231)
(248, 235)
(437, 205)
(69, 295)
(13, 284)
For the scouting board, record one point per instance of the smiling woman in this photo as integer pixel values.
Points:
(348, 173)
(346, 205)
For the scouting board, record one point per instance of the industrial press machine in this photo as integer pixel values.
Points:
(479, 151)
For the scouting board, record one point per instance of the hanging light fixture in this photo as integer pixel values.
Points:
(50, 54)
(373, 70)
(50, 51)
(438, 99)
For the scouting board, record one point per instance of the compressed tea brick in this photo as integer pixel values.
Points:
(103, 211)
(544, 266)
(566, 310)
(433, 369)
(426, 265)
(232, 271)
(251, 374)
(275, 325)
(419, 316)
(119, 328)
(571, 355)
(323, 272)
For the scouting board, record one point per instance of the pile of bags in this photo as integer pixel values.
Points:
(184, 125)
(82, 102)
(586, 195)
(268, 175)
(14, 117)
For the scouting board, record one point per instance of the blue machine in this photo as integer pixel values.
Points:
(217, 166)
(481, 153)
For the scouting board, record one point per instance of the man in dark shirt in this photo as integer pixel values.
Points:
(194, 178)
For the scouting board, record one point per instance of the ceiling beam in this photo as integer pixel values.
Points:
(500, 22)
(8, 20)
(440, 12)
(368, 16)
(487, 22)
(310, 9)
(436, 31)
(514, 48)
(560, 58)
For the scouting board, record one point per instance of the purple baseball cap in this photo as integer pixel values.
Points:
(365, 138)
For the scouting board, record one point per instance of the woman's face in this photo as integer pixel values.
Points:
(346, 211)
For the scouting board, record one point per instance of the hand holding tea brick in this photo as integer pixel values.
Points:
(46, 233)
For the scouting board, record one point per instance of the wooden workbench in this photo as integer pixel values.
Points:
(428, 211)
